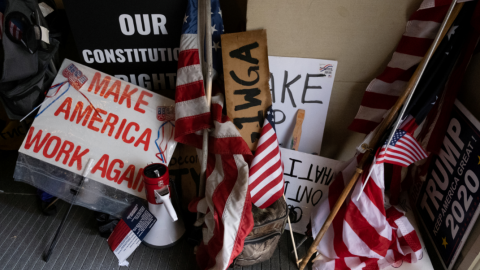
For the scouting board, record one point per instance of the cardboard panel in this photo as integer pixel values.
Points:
(246, 73)
(360, 35)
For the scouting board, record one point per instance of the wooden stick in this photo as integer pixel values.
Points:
(291, 235)
(297, 131)
(297, 135)
(448, 21)
(52, 203)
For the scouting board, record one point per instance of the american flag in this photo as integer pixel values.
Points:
(403, 150)
(384, 90)
(227, 205)
(266, 171)
(364, 234)
(15, 31)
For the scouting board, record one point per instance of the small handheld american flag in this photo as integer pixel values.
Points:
(403, 150)
(266, 182)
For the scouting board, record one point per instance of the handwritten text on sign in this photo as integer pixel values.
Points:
(301, 83)
(307, 178)
(109, 120)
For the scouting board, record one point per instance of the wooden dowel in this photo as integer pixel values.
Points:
(376, 138)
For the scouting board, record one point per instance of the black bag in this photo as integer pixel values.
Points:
(261, 242)
(26, 66)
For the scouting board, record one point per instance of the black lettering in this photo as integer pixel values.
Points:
(180, 162)
(250, 95)
(3, 137)
(244, 54)
(296, 198)
(286, 186)
(279, 121)
(286, 86)
(19, 129)
(308, 177)
(254, 136)
(239, 121)
(246, 83)
(14, 132)
(192, 159)
(173, 161)
(319, 198)
(306, 86)
(272, 83)
(293, 166)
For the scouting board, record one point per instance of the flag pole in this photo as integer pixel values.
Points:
(208, 95)
(387, 121)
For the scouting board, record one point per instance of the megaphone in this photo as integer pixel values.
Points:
(169, 228)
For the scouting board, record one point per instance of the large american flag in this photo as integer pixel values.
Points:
(227, 205)
(364, 234)
(384, 90)
(403, 150)
(266, 171)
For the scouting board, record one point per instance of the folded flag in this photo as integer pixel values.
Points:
(227, 207)
(403, 150)
(363, 235)
(265, 181)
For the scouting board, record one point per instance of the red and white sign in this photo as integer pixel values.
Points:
(104, 118)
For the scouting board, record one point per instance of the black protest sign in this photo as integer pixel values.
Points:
(449, 200)
(137, 41)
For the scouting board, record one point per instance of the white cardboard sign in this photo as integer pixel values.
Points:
(301, 83)
(307, 178)
(94, 115)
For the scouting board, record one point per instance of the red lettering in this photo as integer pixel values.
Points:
(127, 175)
(114, 91)
(102, 161)
(81, 114)
(110, 124)
(145, 139)
(58, 142)
(36, 140)
(138, 179)
(95, 118)
(65, 150)
(65, 108)
(127, 129)
(117, 172)
(141, 101)
(96, 83)
(77, 157)
(120, 129)
(127, 96)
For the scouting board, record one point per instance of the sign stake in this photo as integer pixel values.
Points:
(47, 255)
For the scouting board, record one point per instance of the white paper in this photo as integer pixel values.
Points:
(136, 133)
(307, 178)
(320, 73)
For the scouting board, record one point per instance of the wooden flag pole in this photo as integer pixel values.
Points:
(297, 134)
(447, 22)
(208, 95)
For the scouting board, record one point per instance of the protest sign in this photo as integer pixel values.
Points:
(245, 68)
(89, 114)
(301, 83)
(448, 202)
(184, 167)
(307, 178)
(138, 43)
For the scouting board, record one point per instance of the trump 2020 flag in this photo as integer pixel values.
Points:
(266, 182)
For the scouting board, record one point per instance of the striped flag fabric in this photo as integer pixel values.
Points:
(266, 181)
(228, 217)
(403, 150)
(385, 89)
(364, 234)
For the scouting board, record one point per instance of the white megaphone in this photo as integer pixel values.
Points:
(169, 228)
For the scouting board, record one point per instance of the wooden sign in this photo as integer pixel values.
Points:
(245, 65)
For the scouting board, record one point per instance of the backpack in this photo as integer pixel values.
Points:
(26, 53)
(261, 242)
